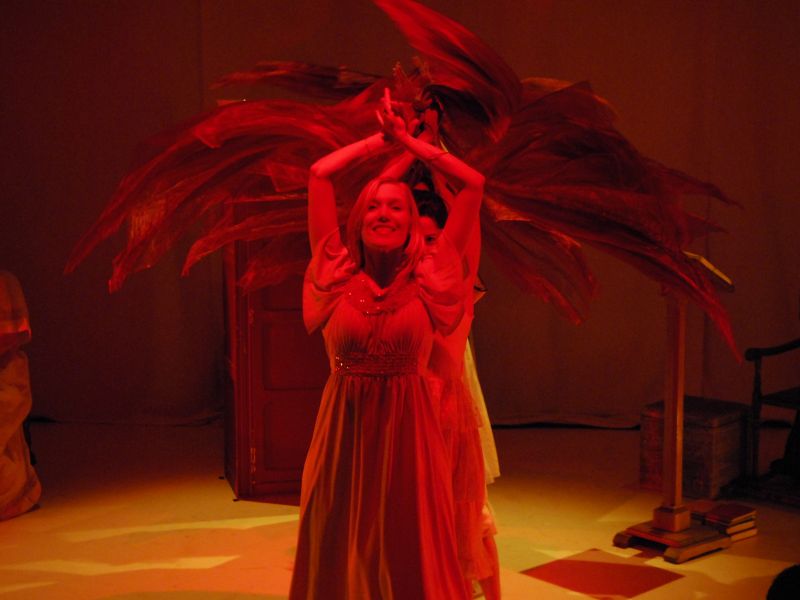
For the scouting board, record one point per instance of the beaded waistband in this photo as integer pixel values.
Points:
(375, 365)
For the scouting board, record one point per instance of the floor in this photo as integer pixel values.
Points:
(134, 512)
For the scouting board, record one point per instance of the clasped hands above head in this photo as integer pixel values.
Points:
(398, 119)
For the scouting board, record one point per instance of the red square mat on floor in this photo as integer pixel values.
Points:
(602, 575)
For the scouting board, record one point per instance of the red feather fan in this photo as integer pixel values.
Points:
(558, 173)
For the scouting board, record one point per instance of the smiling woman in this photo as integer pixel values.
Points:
(377, 477)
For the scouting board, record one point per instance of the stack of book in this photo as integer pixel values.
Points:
(738, 521)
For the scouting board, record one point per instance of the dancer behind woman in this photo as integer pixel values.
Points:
(376, 512)
(460, 415)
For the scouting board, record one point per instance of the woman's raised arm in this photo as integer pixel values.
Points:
(321, 196)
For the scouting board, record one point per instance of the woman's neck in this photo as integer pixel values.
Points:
(382, 267)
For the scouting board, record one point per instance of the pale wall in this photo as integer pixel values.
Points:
(707, 87)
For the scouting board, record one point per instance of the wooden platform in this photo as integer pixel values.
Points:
(677, 547)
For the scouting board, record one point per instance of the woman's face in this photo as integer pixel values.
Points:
(387, 220)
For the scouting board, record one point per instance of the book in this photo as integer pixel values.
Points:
(732, 529)
(730, 513)
(743, 535)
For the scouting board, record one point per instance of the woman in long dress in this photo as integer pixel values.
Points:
(376, 513)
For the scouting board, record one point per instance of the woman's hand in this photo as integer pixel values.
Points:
(393, 124)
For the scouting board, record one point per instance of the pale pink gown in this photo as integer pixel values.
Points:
(376, 513)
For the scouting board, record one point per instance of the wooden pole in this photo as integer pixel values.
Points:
(672, 515)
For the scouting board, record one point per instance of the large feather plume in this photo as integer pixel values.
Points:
(558, 173)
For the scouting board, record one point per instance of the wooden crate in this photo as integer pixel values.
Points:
(714, 451)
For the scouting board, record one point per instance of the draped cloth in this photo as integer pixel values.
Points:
(19, 486)
(376, 511)
(491, 464)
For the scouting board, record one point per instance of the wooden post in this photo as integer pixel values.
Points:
(672, 515)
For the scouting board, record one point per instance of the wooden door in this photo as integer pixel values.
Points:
(278, 374)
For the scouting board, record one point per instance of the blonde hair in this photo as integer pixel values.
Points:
(415, 245)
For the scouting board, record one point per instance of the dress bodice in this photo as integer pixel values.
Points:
(371, 332)
(368, 328)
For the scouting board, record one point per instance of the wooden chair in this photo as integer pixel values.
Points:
(788, 398)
